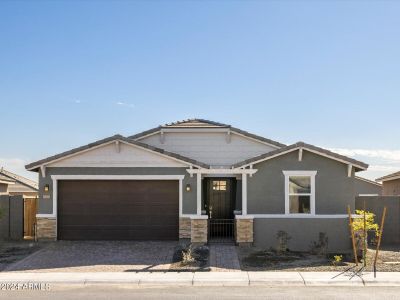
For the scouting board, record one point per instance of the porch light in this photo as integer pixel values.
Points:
(188, 188)
(46, 187)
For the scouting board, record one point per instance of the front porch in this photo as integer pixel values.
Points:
(221, 208)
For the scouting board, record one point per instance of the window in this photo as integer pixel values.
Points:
(300, 192)
(219, 185)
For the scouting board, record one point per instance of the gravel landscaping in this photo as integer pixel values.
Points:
(11, 252)
(253, 259)
(99, 256)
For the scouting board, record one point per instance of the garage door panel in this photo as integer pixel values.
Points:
(138, 210)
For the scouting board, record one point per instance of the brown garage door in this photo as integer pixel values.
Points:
(118, 210)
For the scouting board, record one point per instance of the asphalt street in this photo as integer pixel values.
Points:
(123, 292)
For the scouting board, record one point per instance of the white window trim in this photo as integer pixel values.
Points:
(112, 177)
(312, 175)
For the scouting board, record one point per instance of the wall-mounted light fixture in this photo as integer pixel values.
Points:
(188, 188)
(46, 188)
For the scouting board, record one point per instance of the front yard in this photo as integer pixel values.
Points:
(253, 259)
(130, 256)
(12, 252)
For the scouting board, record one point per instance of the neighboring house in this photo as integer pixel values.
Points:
(20, 186)
(5, 183)
(28, 190)
(365, 187)
(391, 184)
(197, 180)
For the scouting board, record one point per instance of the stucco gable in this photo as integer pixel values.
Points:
(112, 155)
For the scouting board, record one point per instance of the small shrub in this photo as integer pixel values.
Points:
(320, 247)
(187, 256)
(337, 260)
(283, 238)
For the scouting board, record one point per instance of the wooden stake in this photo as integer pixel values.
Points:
(379, 239)
(365, 239)
(353, 241)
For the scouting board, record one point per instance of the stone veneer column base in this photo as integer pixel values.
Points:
(184, 228)
(244, 230)
(199, 230)
(46, 228)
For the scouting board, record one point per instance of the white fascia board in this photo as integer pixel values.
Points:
(222, 171)
(390, 179)
(117, 177)
(7, 182)
(304, 149)
(293, 216)
(369, 181)
(111, 142)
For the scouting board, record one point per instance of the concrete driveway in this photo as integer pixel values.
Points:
(99, 256)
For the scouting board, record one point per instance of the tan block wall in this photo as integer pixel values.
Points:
(199, 231)
(244, 231)
(391, 187)
(46, 228)
(184, 228)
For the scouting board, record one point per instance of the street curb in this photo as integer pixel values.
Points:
(270, 279)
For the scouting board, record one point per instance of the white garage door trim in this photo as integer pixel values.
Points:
(111, 177)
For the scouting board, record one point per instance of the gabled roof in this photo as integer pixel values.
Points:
(36, 165)
(14, 177)
(196, 123)
(202, 123)
(5, 179)
(368, 181)
(392, 176)
(301, 145)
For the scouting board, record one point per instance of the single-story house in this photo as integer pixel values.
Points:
(198, 180)
(19, 185)
(391, 184)
(5, 183)
(12, 186)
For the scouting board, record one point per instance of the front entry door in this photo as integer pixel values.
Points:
(220, 204)
(220, 198)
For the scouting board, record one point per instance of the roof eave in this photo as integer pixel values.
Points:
(35, 166)
(358, 165)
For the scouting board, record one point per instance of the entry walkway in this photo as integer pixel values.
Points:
(224, 258)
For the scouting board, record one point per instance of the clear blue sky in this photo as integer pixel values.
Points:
(327, 73)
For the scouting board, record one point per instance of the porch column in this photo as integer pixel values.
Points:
(244, 194)
(198, 189)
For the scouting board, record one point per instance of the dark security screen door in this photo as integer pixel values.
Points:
(220, 198)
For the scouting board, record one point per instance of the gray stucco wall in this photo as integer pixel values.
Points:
(391, 228)
(12, 219)
(45, 205)
(334, 190)
(363, 187)
(303, 233)
(3, 188)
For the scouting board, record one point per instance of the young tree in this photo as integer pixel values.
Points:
(364, 222)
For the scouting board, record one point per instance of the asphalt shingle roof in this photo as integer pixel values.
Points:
(395, 174)
(202, 123)
(35, 165)
(304, 146)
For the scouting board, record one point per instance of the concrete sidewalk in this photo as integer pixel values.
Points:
(207, 278)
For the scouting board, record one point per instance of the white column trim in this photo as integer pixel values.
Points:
(198, 190)
(349, 170)
(244, 194)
